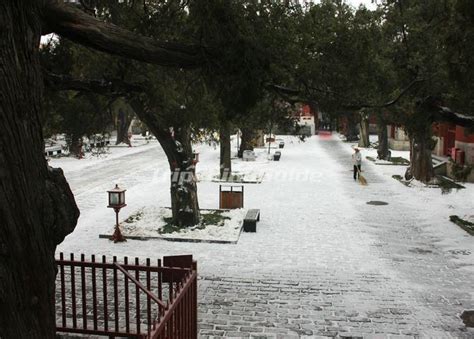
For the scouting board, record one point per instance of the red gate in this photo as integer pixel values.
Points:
(136, 300)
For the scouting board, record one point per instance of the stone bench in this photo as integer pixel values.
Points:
(250, 220)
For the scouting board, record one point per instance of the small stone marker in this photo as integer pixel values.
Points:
(248, 155)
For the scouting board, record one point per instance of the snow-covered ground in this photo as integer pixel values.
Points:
(71, 164)
(323, 263)
(148, 223)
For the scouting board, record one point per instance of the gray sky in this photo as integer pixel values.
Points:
(367, 3)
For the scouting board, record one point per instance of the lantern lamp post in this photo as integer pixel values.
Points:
(117, 201)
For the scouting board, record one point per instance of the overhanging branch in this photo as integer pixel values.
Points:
(104, 87)
(84, 29)
(435, 107)
(388, 103)
(289, 95)
(293, 95)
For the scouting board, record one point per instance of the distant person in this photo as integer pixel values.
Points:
(357, 161)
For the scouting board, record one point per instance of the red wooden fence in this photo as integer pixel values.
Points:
(135, 300)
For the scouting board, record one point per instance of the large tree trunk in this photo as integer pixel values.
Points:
(420, 131)
(123, 124)
(364, 140)
(75, 146)
(225, 154)
(37, 208)
(184, 199)
(183, 135)
(178, 150)
(382, 150)
(421, 165)
(247, 136)
(351, 132)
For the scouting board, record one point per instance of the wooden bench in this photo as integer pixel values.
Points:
(250, 220)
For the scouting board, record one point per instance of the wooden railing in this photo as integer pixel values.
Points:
(135, 300)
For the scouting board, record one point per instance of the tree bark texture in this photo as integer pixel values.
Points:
(75, 146)
(419, 128)
(184, 199)
(37, 208)
(124, 120)
(351, 133)
(364, 140)
(225, 151)
(178, 150)
(382, 150)
(246, 140)
(421, 165)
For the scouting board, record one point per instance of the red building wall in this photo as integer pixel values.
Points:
(447, 134)
(463, 136)
(465, 143)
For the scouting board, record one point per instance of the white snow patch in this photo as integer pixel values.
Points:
(150, 221)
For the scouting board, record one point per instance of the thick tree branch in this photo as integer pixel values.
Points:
(105, 87)
(283, 89)
(77, 26)
(388, 103)
(432, 105)
(114, 88)
(291, 95)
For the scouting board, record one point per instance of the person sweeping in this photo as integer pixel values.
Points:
(357, 161)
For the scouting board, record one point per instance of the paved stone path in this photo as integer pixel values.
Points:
(373, 274)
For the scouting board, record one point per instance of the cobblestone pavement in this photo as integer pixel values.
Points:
(375, 273)
(323, 263)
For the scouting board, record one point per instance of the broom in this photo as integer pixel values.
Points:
(362, 180)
